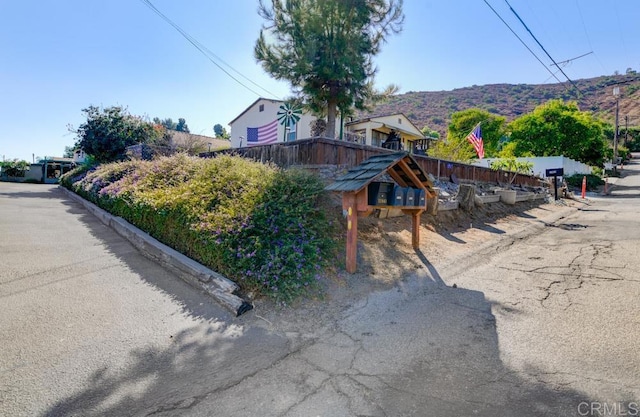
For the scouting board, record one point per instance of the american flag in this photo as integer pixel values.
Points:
(475, 137)
(262, 135)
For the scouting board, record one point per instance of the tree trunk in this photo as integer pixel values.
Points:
(331, 119)
(467, 197)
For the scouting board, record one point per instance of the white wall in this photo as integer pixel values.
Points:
(542, 163)
(253, 117)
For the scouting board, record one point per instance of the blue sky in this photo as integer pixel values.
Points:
(60, 56)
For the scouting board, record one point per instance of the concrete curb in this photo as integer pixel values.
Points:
(197, 275)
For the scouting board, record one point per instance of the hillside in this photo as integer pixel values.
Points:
(434, 108)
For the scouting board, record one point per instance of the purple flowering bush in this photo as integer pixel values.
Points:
(255, 223)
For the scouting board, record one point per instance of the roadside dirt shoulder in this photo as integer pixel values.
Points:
(387, 260)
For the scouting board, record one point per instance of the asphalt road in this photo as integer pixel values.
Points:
(89, 326)
(543, 322)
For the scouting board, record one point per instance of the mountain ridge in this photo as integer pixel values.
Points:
(434, 108)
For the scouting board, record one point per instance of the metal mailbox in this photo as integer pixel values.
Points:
(420, 199)
(409, 196)
(397, 197)
(379, 193)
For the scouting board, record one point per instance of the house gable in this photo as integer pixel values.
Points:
(262, 113)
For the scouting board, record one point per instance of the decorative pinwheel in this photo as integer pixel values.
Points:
(288, 115)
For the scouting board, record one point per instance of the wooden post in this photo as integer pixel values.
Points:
(415, 229)
(349, 205)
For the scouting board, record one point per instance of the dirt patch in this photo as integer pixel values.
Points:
(386, 257)
(387, 260)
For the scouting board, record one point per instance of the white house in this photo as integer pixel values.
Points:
(261, 124)
(79, 156)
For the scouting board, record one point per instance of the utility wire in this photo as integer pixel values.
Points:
(542, 47)
(567, 61)
(206, 52)
(584, 26)
(523, 43)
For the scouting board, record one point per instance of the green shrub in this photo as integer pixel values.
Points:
(623, 152)
(256, 223)
(593, 181)
(14, 168)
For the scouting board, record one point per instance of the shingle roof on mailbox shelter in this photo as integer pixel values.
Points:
(368, 171)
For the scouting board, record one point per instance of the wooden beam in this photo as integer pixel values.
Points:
(415, 225)
(366, 213)
(415, 229)
(349, 205)
(412, 175)
(397, 178)
(362, 202)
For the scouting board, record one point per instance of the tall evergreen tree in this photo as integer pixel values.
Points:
(324, 48)
(182, 125)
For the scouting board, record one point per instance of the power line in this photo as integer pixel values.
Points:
(619, 26)
(584, 26)
(206, 52)
(542, 47)
(567, 61)
(523, 43)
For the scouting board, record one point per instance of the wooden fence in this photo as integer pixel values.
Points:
(324, 151)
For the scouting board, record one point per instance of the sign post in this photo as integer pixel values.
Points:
(555, 173)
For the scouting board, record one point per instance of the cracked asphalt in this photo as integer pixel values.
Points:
(542, 322)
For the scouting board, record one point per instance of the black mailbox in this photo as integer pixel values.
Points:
(379, 193)
(397, 197)
(420, 199)
(555, 172)
(409, 196)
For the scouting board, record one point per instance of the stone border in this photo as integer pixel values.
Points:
(195, 274)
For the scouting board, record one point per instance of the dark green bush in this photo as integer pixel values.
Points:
(256, 223)
(593, 181)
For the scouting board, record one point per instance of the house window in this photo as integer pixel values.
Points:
(261, 107)
(377, 138)
(399, 121)
(291, 131)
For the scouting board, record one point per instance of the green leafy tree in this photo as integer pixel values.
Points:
(68, 152)
(182, 125)
(457, 148)
(508, 150)
(220, 131)
(513, 165)
(324, 48)
(452, 150)
(168, 123)
(429, 133)
(560, 128)
(109, 131)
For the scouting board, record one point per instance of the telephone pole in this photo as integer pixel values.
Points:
(616, 94)
(626, 130)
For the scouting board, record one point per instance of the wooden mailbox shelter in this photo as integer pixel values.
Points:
(359, 185)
